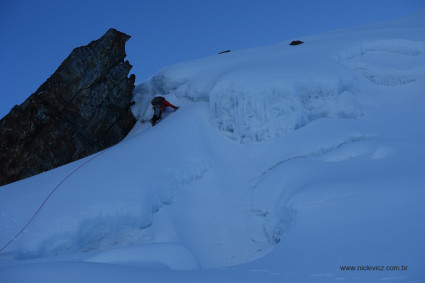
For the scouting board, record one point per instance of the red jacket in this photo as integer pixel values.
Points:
(165, 103)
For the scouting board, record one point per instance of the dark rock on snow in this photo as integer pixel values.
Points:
(81, 109)
(296, 42)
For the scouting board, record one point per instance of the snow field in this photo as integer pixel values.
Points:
(110, 206)
(282, 164)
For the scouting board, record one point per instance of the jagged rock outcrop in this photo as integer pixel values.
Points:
(81, 109)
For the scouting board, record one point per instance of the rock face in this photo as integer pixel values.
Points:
(81, 109)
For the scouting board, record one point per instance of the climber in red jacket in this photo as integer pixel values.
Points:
(159, 104)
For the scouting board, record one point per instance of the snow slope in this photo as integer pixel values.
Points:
(283, 164)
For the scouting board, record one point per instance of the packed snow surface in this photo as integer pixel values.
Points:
(283, 164)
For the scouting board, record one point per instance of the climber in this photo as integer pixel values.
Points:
(159, 104)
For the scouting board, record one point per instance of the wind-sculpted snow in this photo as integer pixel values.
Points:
(252, 114)
(259, 94)
(272, 200)
(111, 210)
(389, 62)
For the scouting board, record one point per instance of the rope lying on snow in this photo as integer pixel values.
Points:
(46, 199)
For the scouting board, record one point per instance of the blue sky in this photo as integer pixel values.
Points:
(38, 35)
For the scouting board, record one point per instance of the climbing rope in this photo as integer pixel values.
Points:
(47, 198)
